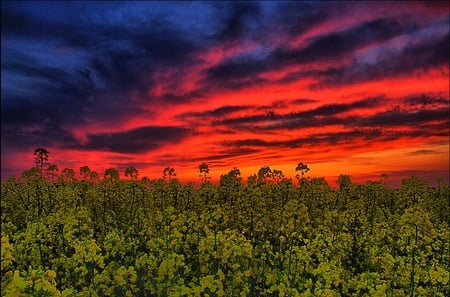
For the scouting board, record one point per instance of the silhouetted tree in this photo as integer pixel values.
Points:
(264, 173)
(303, 168)
(412, 189)
(169, 172)
(111, 174)
(94, 177)
(132, 172)
(229, 185)
(277, 175)
(146, 181)
(252, 180)
(31, 175)
(344, 182)
(52, 169)
(68, 175)
(233, 177)
(385, 179)
(85, 172)
(41, 159)
(204, 171)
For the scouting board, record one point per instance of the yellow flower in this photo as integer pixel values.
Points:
(132, 276)
(197, 291)
(93, 246)
(51, 274)
(270, 278)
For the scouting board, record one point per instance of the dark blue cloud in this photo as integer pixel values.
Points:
(418, 58)
(319, 116)
(238, 16)
(134, 141)
(336, 45)
(353, 137)
(66, 64)
(244, 71)
(402, 118)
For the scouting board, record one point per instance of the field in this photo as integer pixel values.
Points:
(133, 237)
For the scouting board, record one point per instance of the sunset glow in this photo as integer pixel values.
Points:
(358, 88)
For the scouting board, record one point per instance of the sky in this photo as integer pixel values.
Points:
(357, 88)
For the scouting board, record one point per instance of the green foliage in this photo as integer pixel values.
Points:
(267, 238)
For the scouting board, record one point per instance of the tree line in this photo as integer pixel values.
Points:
(269, 237)
(43, 169)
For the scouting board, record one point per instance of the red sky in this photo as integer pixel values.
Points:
(345, 87)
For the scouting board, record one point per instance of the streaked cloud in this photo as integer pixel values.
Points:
(231, 83)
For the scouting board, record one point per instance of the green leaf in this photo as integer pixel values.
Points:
(18, 281)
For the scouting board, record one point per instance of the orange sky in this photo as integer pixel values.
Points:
(359, 89)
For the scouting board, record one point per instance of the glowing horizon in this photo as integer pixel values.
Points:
(347, 88)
